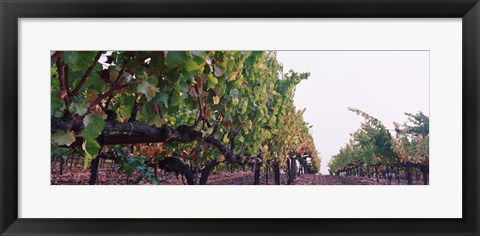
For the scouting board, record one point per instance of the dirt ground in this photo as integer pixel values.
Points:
(75, 175)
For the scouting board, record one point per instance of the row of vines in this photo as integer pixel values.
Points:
(179, 111)
(372, 150)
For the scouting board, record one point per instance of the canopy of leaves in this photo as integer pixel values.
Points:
(240, 98)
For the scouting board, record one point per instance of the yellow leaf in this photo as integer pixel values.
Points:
(221, 158)
(87, 159)
(216, 100)
(160, 122)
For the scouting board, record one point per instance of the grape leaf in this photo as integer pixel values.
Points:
(63, 138)
(93, 126)
(79, 108)
(161, 97)
(212, 81)
(92, 147)
(127, 106)
(78, 60)
(219, 71)
(148, 89)
(175, 99)
(176, 58)
(216, 100)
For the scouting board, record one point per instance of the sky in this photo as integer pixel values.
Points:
(385, 84)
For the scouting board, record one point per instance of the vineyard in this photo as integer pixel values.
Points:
(373, 152)
(176, 117)
(208, 117)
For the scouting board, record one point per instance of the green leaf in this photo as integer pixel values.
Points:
(158, 62)
(78, 60)
(183, 82)
(195, 67)
(128, 77)
(176, 99)
(63, 138)
(161, 97)
(207, 132)
(57, 107)
(148, 89)
(199, 53)
(79, 108)
(127, 106)
(92, 147)
(177, 58)
(61, 151)
(93, 126)
(244, 107)
(212, 81)
(94, 81)
(53, 71)
(234, 95)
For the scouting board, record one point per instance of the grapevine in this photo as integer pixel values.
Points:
(180, 111)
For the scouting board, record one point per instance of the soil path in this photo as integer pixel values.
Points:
(77, 176)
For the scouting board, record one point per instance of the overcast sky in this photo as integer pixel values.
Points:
(385, 84)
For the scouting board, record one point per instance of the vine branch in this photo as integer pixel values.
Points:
(87, 73)
(61, 77)
(55, 56)
(134, 132)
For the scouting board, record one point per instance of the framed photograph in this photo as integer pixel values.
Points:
(250, 118)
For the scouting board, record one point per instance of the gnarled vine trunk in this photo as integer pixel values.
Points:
(177, 165)
(276, 172)
(256, 176)
(289, 171)
(94, 171)
(62, 162)
(424, 171)
(266, 174)
(197, 161)
(206, 171)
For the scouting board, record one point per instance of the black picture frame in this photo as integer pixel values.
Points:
(12, 10)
